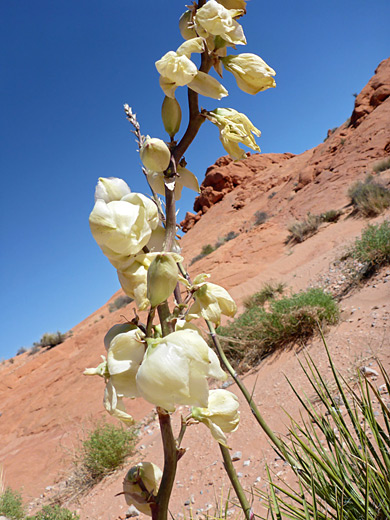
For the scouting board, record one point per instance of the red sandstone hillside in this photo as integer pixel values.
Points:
(45, 400)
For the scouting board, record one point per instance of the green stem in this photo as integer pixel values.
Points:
(236, 483)
(160, 512)
(259, 418)
(164, 313)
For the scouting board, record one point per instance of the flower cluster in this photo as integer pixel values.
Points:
(168, 364)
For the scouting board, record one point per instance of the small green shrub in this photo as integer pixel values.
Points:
(54, 512)
(260, 217)
(373, 247)
(293, 319)
(11, 504)
(331, 216)
(268, 292)
(119, 302)
(51, 340)
(303, 229)
(105, 449)
(21, 350)
(381, 166)
(369, 198)
(34, 349)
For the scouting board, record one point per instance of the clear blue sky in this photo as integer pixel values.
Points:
(66, 69)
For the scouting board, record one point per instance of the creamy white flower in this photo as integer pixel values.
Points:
(211, 301)
(133, 279)
(213, 18)
(150, 475)
(185, 178)
(186, 26)
(221, 415)
(176, 69)
(175, 370)
(206, 85)
(120, 226)
(110, 189)
(252, 74)
(151, 211)
(234, 127)
(124, 356)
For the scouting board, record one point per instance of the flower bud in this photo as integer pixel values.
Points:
(186, 26)
(110, 189)
(162, 278)
(171, 115)
(155, 154)
(150, 475)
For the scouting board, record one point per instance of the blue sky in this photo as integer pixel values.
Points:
(66, 69)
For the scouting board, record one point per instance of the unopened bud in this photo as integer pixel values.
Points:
(171, 115)
(162, 278)
(155, 154)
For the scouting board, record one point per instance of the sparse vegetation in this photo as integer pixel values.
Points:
(331, 216)
(381, 166)
(51, 340)
(119, 303)
(268, 292)
(260, 218)
(54, 512)
(104, 450)
(373, 247)
(208, 248)
(34, 349)
(293, 319)
(342, 458)
(369, 198)
(303, 229)
(21, 350)
(11, 504)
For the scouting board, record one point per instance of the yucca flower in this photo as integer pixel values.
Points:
(252, 74)
(214, 19)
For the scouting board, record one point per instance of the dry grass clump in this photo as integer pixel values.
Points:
(303, 229)
(289, 320)
(208, 248)
(373, 247)
(382, 165)
(369, 198)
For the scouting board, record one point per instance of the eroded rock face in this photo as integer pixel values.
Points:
(353, 144)
(373, 94)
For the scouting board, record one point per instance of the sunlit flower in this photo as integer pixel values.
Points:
(206, 85)
(124, 356)
(150, 475)
(211, 301)
(234, 127)
(120, 226)
(175, 370)
(133, 279)
(110, 189)
(186, 26)
(252, 74)
(213, 18)
(221, 415)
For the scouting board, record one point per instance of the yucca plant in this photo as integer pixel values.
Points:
(342, 458)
